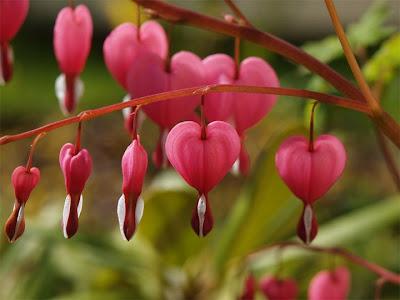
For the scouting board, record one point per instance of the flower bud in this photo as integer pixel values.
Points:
(279, 289)
(130, 204)
(250, 287)
(24, 182)
(307, 228)
(76, 166)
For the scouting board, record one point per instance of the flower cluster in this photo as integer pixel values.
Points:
(202, 149)
(328, 284)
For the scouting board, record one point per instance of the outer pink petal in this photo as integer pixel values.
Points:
(249, 109)
(12, 15)
(333, 285)
(24, 182)
(202, 163)
(186, 71)
(121, 47)
(309, 175)
(73, 38)
(279, 289)
(134, 166)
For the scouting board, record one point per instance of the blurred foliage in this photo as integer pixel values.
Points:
(165, 259)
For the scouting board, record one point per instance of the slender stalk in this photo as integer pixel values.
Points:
(311, 136)
(237, 57)
(32, 151)
(78, 138)
(351, 59)
(381, 271)
(236, 10)
(135, 122)
(378, 288)
(220, 88)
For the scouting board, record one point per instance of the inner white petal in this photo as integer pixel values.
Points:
(66, 212)
(139, 210)
(235, 170)
(19, 220)
(121, 212)
(126, 111)
(308, 215)
(201, 212)
(80, 206)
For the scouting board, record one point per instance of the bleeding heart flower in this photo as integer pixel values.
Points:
(148, 76)
(310, 174)
(279, 289)
(124, 43)
(246, 110)
(202, 158)
(24, 181)
(130, 204)
(76, 165)
(13, 14)
(250, 288)
(332, 285)
(72, 41)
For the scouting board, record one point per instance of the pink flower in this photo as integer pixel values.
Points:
(130, 204)
(310, 174)
(72, 42)
(333, 285)
(202, 161)
(245, 110)
(148, 76)
(24, 182)
(76, 166)
(279, 289)
(124, 43)
(13, 14)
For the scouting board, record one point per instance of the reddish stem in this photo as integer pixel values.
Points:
(203, 90)
(237, 57)
(135, 122)
(32, 150)
(78, 138)
(311, 137)
(381, 271)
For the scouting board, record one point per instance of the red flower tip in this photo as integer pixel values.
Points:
(250, 288)
(76, 168)
(307, 228)
(202, 219)
(279, 289)
(130, 204)
(15, 224)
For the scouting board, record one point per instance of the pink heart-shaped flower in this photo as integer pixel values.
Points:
(72, 38)
(122, 45)
(279, 289)
(148, 76)
(333, 285)
(246, 109)
(202, 162)
(202, 156)
(310, 174)
(13, 14)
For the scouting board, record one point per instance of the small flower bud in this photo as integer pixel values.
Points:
(279, 289)
(333, 285)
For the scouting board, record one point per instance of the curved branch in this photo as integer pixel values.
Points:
(381, 271)
(91, 114)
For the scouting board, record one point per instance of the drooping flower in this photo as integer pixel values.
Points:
(131, 204)
(309, 174)
(76, 165)
(245, 110)
(72, 41)
(24, 181)
(125, 42)
(202, 156)
(148, 76)
(330, 284)
(13, 14)
(279, 289)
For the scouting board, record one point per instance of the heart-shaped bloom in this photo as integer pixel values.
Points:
(13, 14)
(333, 285)
(24, 181)
(130, 204)
(76, 165)
(148, 76)
(202, 162)
(279, 289)
(310, 174)
(246, 110)
(250, 288)
(72, 41)
(124, 43)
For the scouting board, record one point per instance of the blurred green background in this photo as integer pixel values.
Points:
(165, 259)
